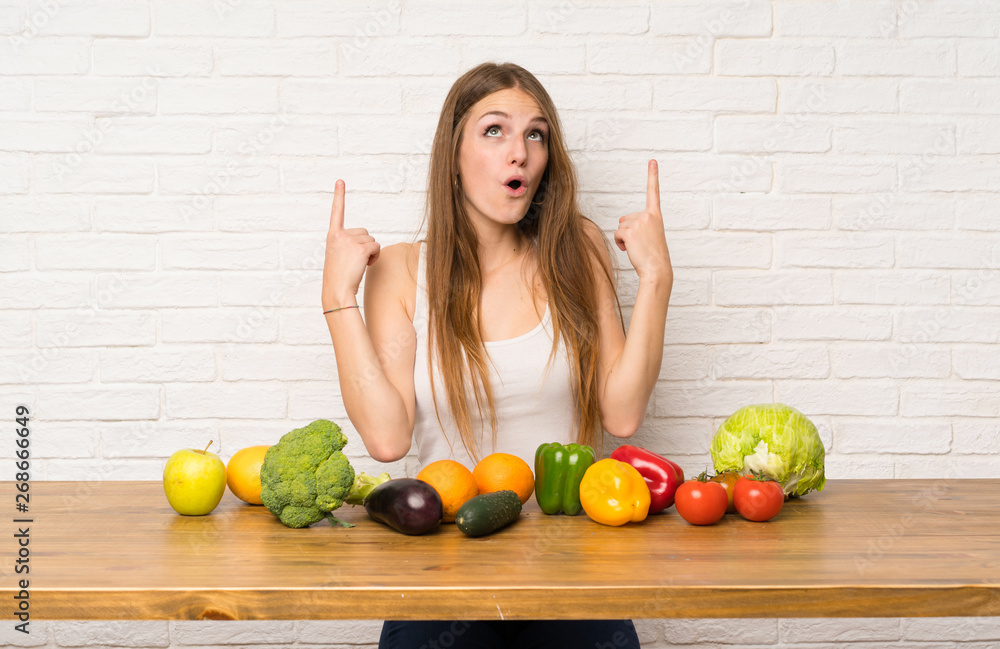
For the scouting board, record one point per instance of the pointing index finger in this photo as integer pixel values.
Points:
(653, 188)
(337, 213)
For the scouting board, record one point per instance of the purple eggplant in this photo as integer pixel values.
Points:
(406, 505)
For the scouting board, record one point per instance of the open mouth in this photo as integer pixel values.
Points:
(515, 186)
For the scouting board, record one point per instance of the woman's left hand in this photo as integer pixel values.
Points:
(641, 235)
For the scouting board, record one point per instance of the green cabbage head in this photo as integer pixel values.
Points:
(776, 440)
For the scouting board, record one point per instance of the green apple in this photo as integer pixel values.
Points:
(194, 481)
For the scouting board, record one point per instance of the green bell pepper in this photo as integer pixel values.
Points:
(558, 471)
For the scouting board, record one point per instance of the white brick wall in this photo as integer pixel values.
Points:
(830, 173)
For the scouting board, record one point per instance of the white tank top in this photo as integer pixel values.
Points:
(534, 403)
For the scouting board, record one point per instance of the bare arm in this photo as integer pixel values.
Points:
(372, 360)
(630, 365)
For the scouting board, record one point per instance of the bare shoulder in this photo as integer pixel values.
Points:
(601, 247)
(399, 258)
(592, 230)
(393, 276)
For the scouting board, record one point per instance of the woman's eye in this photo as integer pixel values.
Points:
(495, 130)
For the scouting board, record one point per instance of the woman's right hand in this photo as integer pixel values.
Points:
(348, 254)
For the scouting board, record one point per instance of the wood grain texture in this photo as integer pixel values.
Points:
(860, 548)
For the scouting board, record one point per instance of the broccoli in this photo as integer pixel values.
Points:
(305, 476)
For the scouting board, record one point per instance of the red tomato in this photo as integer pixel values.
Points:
(728, 480)
(758, 500)
(701, 503)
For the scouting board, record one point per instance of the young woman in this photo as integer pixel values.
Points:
(501, 330)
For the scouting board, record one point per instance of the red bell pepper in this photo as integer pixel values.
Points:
(662, 476)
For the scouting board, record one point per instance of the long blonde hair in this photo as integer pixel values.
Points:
(566, 254)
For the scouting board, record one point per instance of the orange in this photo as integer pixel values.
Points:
(243, 473)
(501, 471)
(453, 482)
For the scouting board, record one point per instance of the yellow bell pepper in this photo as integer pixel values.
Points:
(614, 493)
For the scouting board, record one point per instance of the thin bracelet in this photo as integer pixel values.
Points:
(353, 306)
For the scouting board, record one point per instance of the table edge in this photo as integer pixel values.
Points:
(514, 603)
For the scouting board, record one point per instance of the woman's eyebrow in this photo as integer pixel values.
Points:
(506, 116)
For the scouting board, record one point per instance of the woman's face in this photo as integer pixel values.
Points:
(502, 156)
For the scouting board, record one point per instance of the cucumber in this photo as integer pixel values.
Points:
(487, 513)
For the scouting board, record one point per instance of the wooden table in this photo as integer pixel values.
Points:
(861, 548)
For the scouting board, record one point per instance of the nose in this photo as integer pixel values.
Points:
(518, 151)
